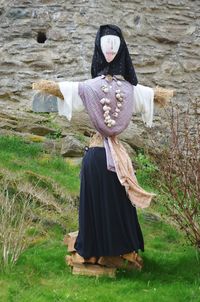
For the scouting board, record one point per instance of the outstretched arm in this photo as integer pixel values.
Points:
(67, 93)
(48, 87)
(145, 98)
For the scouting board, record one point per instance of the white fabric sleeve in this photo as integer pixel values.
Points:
(72, 101)
(143, 103)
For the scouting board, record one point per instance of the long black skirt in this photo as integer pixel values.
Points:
(108, 223)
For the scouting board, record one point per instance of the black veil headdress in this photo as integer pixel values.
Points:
(120, 65)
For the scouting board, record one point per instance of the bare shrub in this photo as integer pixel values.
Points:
(26, 208)
(181, 171)
(13, 226)
(16, 205)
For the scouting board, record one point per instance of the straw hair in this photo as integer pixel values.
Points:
(49, 87)
(162, 96)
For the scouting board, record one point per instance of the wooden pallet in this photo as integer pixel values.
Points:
(97, 267)
(93, 270)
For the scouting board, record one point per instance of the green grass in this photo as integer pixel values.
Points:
(18, 156)
(171, 267)
(145, 172)
(171, 273)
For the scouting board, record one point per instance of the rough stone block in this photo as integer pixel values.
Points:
(44, 103)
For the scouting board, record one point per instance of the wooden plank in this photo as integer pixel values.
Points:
(76, 258)
(131, 266)
(135, 259)
(65, 240)
(108, 261)
(69, 240)
(93, 270)
(92, 260)
(117, 262)
(68, 260)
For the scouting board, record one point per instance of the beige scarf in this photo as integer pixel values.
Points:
(125, 172)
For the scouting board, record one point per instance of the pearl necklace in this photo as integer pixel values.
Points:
(110, 122)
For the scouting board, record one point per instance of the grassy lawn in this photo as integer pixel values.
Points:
(19, 156)
(171, 273)
(171, 267)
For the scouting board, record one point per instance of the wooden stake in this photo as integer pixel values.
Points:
(70, 240)
(93, 270)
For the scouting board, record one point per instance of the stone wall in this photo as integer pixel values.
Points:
(162, 36)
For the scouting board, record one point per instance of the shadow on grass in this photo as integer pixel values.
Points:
(49, 258)
(166, 269)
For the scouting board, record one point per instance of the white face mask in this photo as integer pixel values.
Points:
(110, 46)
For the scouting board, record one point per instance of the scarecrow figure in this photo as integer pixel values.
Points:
(109, 193)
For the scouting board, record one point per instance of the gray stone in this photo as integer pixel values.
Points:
(44, 103)
(52, 146)
(40, 130)
(191, 65)
(7, 125)
(18, 13)
(71, 146)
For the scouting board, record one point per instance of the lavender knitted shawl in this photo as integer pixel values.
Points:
(91, 93)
